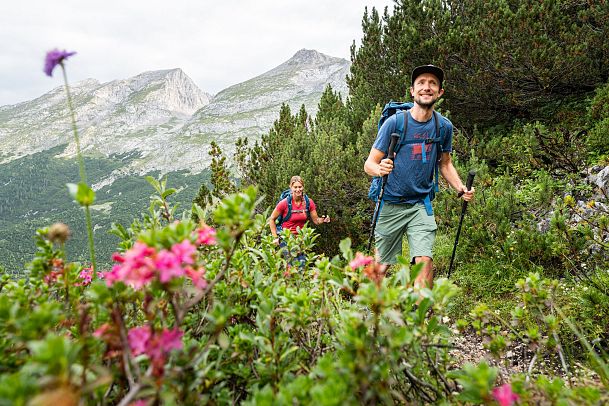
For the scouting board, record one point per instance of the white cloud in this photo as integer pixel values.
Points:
(217, 43)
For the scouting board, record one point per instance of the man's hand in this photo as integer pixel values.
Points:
(385, 167)
(467, 195)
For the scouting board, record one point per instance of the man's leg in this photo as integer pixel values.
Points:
(421, 237)
(425, 277)
(389, 232)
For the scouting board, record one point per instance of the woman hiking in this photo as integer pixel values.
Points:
(302, 208)
(299, 215)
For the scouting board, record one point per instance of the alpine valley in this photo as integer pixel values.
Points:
(157, 123)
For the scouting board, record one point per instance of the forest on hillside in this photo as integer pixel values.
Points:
(204, 309)
(34, 195)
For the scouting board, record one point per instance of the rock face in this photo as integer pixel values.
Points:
(163, 117)
(601, 179)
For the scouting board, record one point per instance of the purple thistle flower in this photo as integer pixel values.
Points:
(54, 58)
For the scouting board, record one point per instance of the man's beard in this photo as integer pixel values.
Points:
(426, 105)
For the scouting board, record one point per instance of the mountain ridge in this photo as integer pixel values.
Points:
(163, 115)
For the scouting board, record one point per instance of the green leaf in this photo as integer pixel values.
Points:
(168, 192)
(345, 248)
(82, 193)
(155, 183)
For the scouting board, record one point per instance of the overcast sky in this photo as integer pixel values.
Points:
(217, 43)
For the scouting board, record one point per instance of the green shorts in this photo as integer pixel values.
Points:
(395, 220)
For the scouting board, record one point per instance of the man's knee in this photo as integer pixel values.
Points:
(424, 259)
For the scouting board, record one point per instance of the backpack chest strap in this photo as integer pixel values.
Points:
(436, 140)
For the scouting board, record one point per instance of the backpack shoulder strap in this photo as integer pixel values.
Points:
(308, 207)
(289, 213)
(440, 140)
(401, 127)
(438, 134)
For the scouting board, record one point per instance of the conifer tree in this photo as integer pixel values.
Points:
(221, 181)
(516, 59)
(367, 76)
(503, 59)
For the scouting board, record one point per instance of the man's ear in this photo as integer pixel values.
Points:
(412, 92)
(441, 92)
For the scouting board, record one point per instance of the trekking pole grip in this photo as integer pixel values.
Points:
(470, 179)
(469, 182)
(394, 140)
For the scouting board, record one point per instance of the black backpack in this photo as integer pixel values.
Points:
(288, 194)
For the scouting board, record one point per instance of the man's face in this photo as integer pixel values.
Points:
(426, 90)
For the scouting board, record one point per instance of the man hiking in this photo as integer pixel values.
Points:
(426, 145)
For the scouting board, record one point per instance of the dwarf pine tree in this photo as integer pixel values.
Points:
(221, 180)
(338, 181)
(528, 56)
(503, 59)
(367, 78)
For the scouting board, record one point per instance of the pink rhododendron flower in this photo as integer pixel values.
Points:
(168, 266)
(171, 339)
(138, 339)
(139, 253)
(54, 58)
(142, 264)
(86, 275)
(156, 346)
(159, 346)
(111, 276)
(185, 252)
(161, 343)
(206, 235)
(504, 395)
(375, 272)
(197, 277)
(360, 260)
(116, 257)
(136, 267)
(139, 402)
(142, 341)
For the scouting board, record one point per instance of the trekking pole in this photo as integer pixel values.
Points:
(394, 140)
(468, 185)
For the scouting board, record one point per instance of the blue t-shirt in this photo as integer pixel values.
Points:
(412, 176)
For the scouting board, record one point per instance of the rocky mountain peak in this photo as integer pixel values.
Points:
(169, 89)
(310, 57)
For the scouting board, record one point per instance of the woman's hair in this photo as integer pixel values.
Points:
(296, 179)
